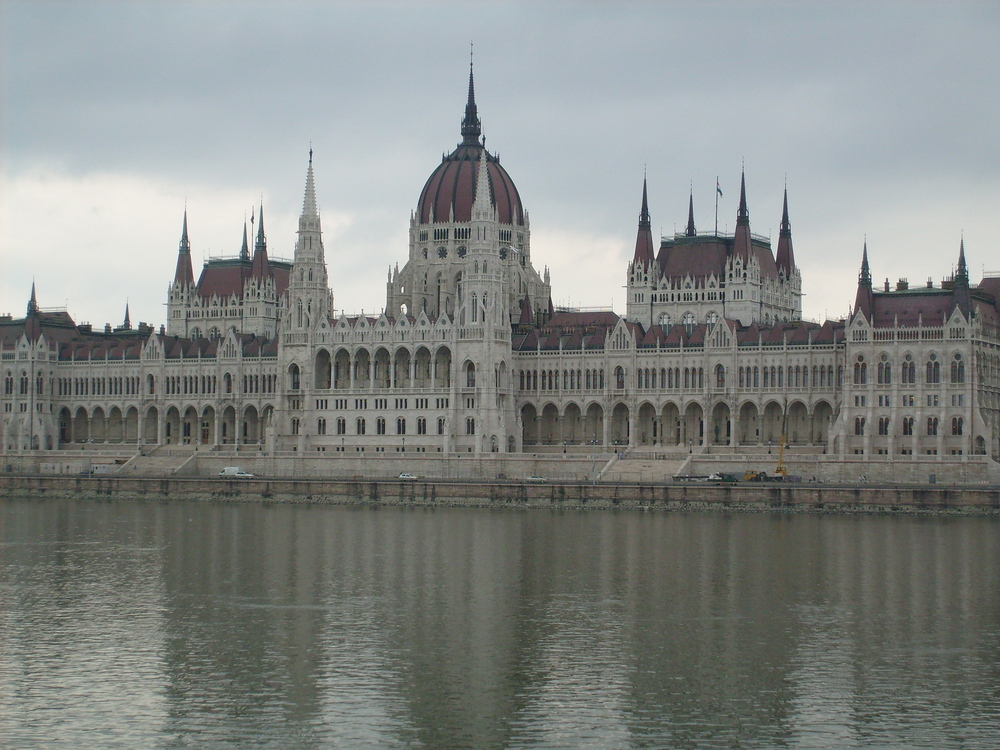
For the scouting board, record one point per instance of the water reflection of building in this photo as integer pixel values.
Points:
(470, 355)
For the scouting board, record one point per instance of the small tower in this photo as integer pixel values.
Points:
(643, 271)
(309, 296)
(260, 297)
(182, 289)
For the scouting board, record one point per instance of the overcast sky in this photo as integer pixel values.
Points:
(882, 117)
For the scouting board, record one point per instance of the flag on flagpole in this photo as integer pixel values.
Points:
(717, 187)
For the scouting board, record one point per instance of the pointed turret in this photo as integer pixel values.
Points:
(471, 127)
(32, 322)
(183, 273)
(482, 203)
(260, 268)
(962, 296)
(741, 241)
(785, 258)
(690, 231)
(245, 248)
(864, 301)
(127, 323)
(644, 236)
(33, 301)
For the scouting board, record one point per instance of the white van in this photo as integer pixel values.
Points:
(235, 472)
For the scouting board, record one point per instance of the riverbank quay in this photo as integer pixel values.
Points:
(679, 496)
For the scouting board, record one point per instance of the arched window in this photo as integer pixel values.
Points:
(956, 425)
(859, 425)
(958, 370)
(933, 370)
(860, 372)
(470, 376)
(932, 425)
(720, 376)
(619, 378)
(907, 425)
(293, 379)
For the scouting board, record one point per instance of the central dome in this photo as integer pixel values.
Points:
(450, 191)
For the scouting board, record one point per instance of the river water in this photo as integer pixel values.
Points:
(142, 624)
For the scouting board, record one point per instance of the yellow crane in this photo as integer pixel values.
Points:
(780, 470)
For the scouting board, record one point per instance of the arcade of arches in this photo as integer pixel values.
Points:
(190, 426)
(672, 425)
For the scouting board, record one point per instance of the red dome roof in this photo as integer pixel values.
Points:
(450, 191)
(452, 187)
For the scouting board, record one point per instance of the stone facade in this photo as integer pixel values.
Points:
(470, 356)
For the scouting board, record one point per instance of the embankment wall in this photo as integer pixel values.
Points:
(679, 496)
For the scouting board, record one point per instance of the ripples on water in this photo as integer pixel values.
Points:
(132, 624)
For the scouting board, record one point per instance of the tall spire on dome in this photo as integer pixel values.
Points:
(127, 324)
(183, 273)
(690, 231)
(471, 126)
(644, 236)
(33, 301)
(864, 301)
(785, 258)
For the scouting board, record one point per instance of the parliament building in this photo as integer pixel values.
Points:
(469, 355)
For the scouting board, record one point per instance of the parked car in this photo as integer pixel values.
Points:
(407, 477)
(234, 472)
(534, 479)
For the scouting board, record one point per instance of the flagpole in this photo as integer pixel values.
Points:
(716, 205)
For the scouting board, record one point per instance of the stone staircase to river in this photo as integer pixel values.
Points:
(643, 470)
(163, 461)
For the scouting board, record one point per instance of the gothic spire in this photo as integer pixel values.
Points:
(245, 248)
(309, 200)
(482, 203)
(471, 126)
(743, 214)
(864, 301)
(644, 236)
(963, 269)
(865, 277)
(962, 296)
(261, 268)
(690, 231)
(785, 258)
(741, 240)
(32, 322)
(127, 324)
(183, 273)
(33, 301)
